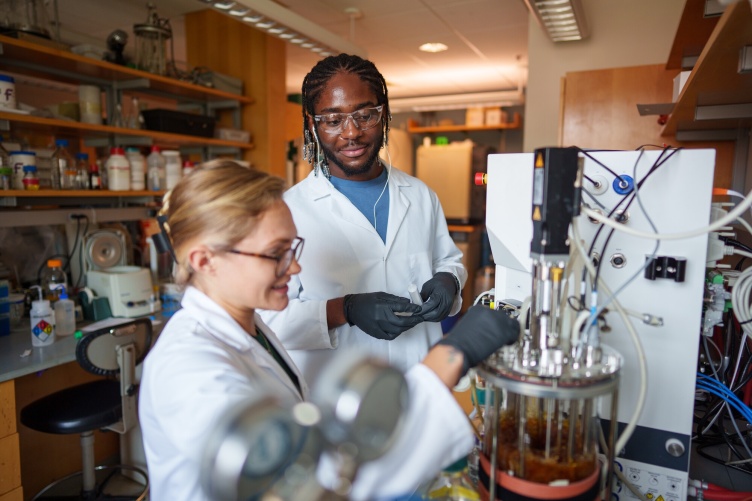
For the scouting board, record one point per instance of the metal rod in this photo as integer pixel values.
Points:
(573, 417)
(549, 413)
(521, 427)
(494, 446)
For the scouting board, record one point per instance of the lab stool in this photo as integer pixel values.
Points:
(102, 404)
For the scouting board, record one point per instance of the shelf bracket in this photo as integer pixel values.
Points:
(136, 83)
(655, 109)
(707, 135)
(723, 111)
(118, 139)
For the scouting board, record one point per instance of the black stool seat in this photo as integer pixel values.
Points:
(79, 409)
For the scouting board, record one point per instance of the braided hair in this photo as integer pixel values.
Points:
(315, 81)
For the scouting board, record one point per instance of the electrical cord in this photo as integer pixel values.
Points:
(716, 225)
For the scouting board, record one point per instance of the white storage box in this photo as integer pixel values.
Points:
(91, 51)
(241, 136)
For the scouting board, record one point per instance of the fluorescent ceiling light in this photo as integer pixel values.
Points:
(562, 20)
(433, 47)
(266, 14)
(457, 101)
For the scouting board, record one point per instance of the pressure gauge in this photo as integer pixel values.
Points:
(252, 446)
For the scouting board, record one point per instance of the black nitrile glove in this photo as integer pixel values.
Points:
(438, 296)
(374, 312)
(479, 333)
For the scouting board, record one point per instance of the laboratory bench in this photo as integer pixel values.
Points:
(29, 457)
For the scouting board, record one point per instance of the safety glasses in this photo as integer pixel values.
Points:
(335, 123)
(283, 260)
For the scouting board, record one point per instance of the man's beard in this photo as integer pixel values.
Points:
(350, 171)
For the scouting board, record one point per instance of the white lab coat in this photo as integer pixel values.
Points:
(344, 254)
(204, 363)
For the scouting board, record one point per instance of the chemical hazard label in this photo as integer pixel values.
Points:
(43, 330)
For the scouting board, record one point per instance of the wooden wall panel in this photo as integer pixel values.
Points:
(600, 111)
(14, 495)
(7, 409)
(10, 464)
(231, 47)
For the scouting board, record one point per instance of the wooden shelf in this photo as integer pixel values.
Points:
(715, 79)
(37, 60)
(78, 193)
(515, 124)
(53, 125)
(692, 34)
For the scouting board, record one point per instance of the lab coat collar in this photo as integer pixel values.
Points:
(218, 323)
(321, 188)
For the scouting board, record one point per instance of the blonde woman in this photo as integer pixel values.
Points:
(236, 248)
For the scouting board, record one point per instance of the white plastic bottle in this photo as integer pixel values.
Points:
(65, 315)
(156, 170)
(118, 171)
(173, 168)
(138, 168)
(42, 321)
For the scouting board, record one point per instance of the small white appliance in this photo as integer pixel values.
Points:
(128, 289)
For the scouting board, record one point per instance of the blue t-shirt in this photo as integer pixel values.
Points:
(364, 195)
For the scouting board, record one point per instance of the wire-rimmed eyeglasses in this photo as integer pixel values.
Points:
(335, 123)
(284, 260)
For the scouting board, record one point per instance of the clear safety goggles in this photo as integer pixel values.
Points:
(335, 123)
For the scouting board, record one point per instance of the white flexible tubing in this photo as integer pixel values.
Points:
(744, 223)
(726, 220)
(489, 291)
(736, 194)
(643, 391)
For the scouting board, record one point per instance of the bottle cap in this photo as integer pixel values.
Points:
(82, 156)
(61, 142)
(52, 263)
(64, 293)
(155, 148)
(94, 168)
(117, 150)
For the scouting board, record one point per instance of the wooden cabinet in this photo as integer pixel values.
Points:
(599, 107)
(10, 458)
(717, 98)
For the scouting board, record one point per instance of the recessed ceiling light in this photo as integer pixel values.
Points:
(433, 47)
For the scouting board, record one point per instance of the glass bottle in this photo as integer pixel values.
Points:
(62, 167)
(94, 180)
(156, 170)
(54, 280)
(4, 155)
(30, 178)
(82, 171)
(452, 484)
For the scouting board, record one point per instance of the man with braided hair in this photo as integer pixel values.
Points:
(370, 230)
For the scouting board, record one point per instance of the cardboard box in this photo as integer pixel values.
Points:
(493, 116)
(679, 81)
(474, 116)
